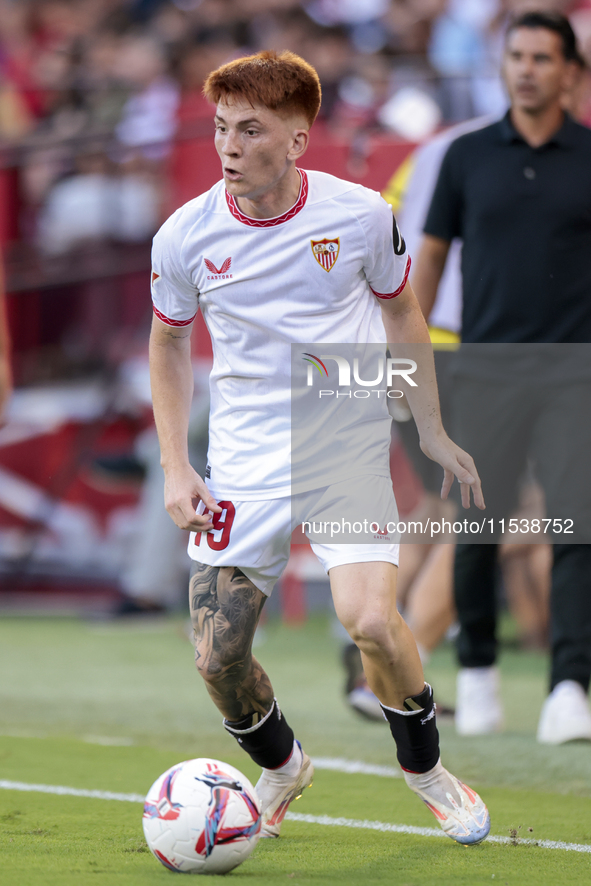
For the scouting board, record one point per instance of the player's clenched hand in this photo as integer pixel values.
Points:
(455, 463)
(183, 490)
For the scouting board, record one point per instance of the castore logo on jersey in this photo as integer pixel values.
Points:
(222, 273)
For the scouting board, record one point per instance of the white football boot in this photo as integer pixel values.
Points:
(478, 703)
(565, 715)
(362, 700)
(459, 810)
(276, 790)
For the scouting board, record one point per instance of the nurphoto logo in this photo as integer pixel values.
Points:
(386, 370)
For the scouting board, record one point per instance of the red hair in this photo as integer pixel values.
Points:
(282, 82)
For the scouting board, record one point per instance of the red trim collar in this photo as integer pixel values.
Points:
(271, 222)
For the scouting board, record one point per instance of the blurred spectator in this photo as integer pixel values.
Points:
(5, 370)
(148, 120)
(328, 51)
(15, 119)
(155, 576)
(464, 50)
(361, 95)
(362, 17)
(193, 64)
(96, 203)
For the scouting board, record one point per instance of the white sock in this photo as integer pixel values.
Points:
(293, 765)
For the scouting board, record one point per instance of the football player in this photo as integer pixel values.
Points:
(273, 255)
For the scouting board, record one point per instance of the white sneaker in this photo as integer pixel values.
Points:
(478, 703)
(276, 790)
(365, 703)
(459, 810)
(565, 715)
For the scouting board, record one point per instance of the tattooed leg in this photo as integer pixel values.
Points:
(225, 609)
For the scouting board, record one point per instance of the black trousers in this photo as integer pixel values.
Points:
(502, 426)
(570, 610)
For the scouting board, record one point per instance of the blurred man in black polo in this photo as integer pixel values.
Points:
(519, 195)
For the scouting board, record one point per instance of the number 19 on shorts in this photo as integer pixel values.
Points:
(218, 538)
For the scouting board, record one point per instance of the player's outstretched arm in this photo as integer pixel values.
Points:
(408, 334)
(171, 375)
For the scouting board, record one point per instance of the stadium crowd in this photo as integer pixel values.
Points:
(96, 89)
(70, 67)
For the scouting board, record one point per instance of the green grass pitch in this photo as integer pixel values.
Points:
(109, 707)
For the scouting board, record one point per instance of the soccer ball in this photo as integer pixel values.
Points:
(202, 817)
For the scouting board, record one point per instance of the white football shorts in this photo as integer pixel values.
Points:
(255, 536)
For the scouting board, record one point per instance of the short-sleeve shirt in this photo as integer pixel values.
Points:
(314, 274)
(524, 215)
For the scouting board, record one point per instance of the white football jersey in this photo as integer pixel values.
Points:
(309, 275)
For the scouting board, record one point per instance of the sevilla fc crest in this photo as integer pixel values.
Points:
(326, 252)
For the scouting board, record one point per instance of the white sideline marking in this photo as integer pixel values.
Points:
(426, 832)
(107, 741)
(295, 816)
(339, 764)
(70, 792)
